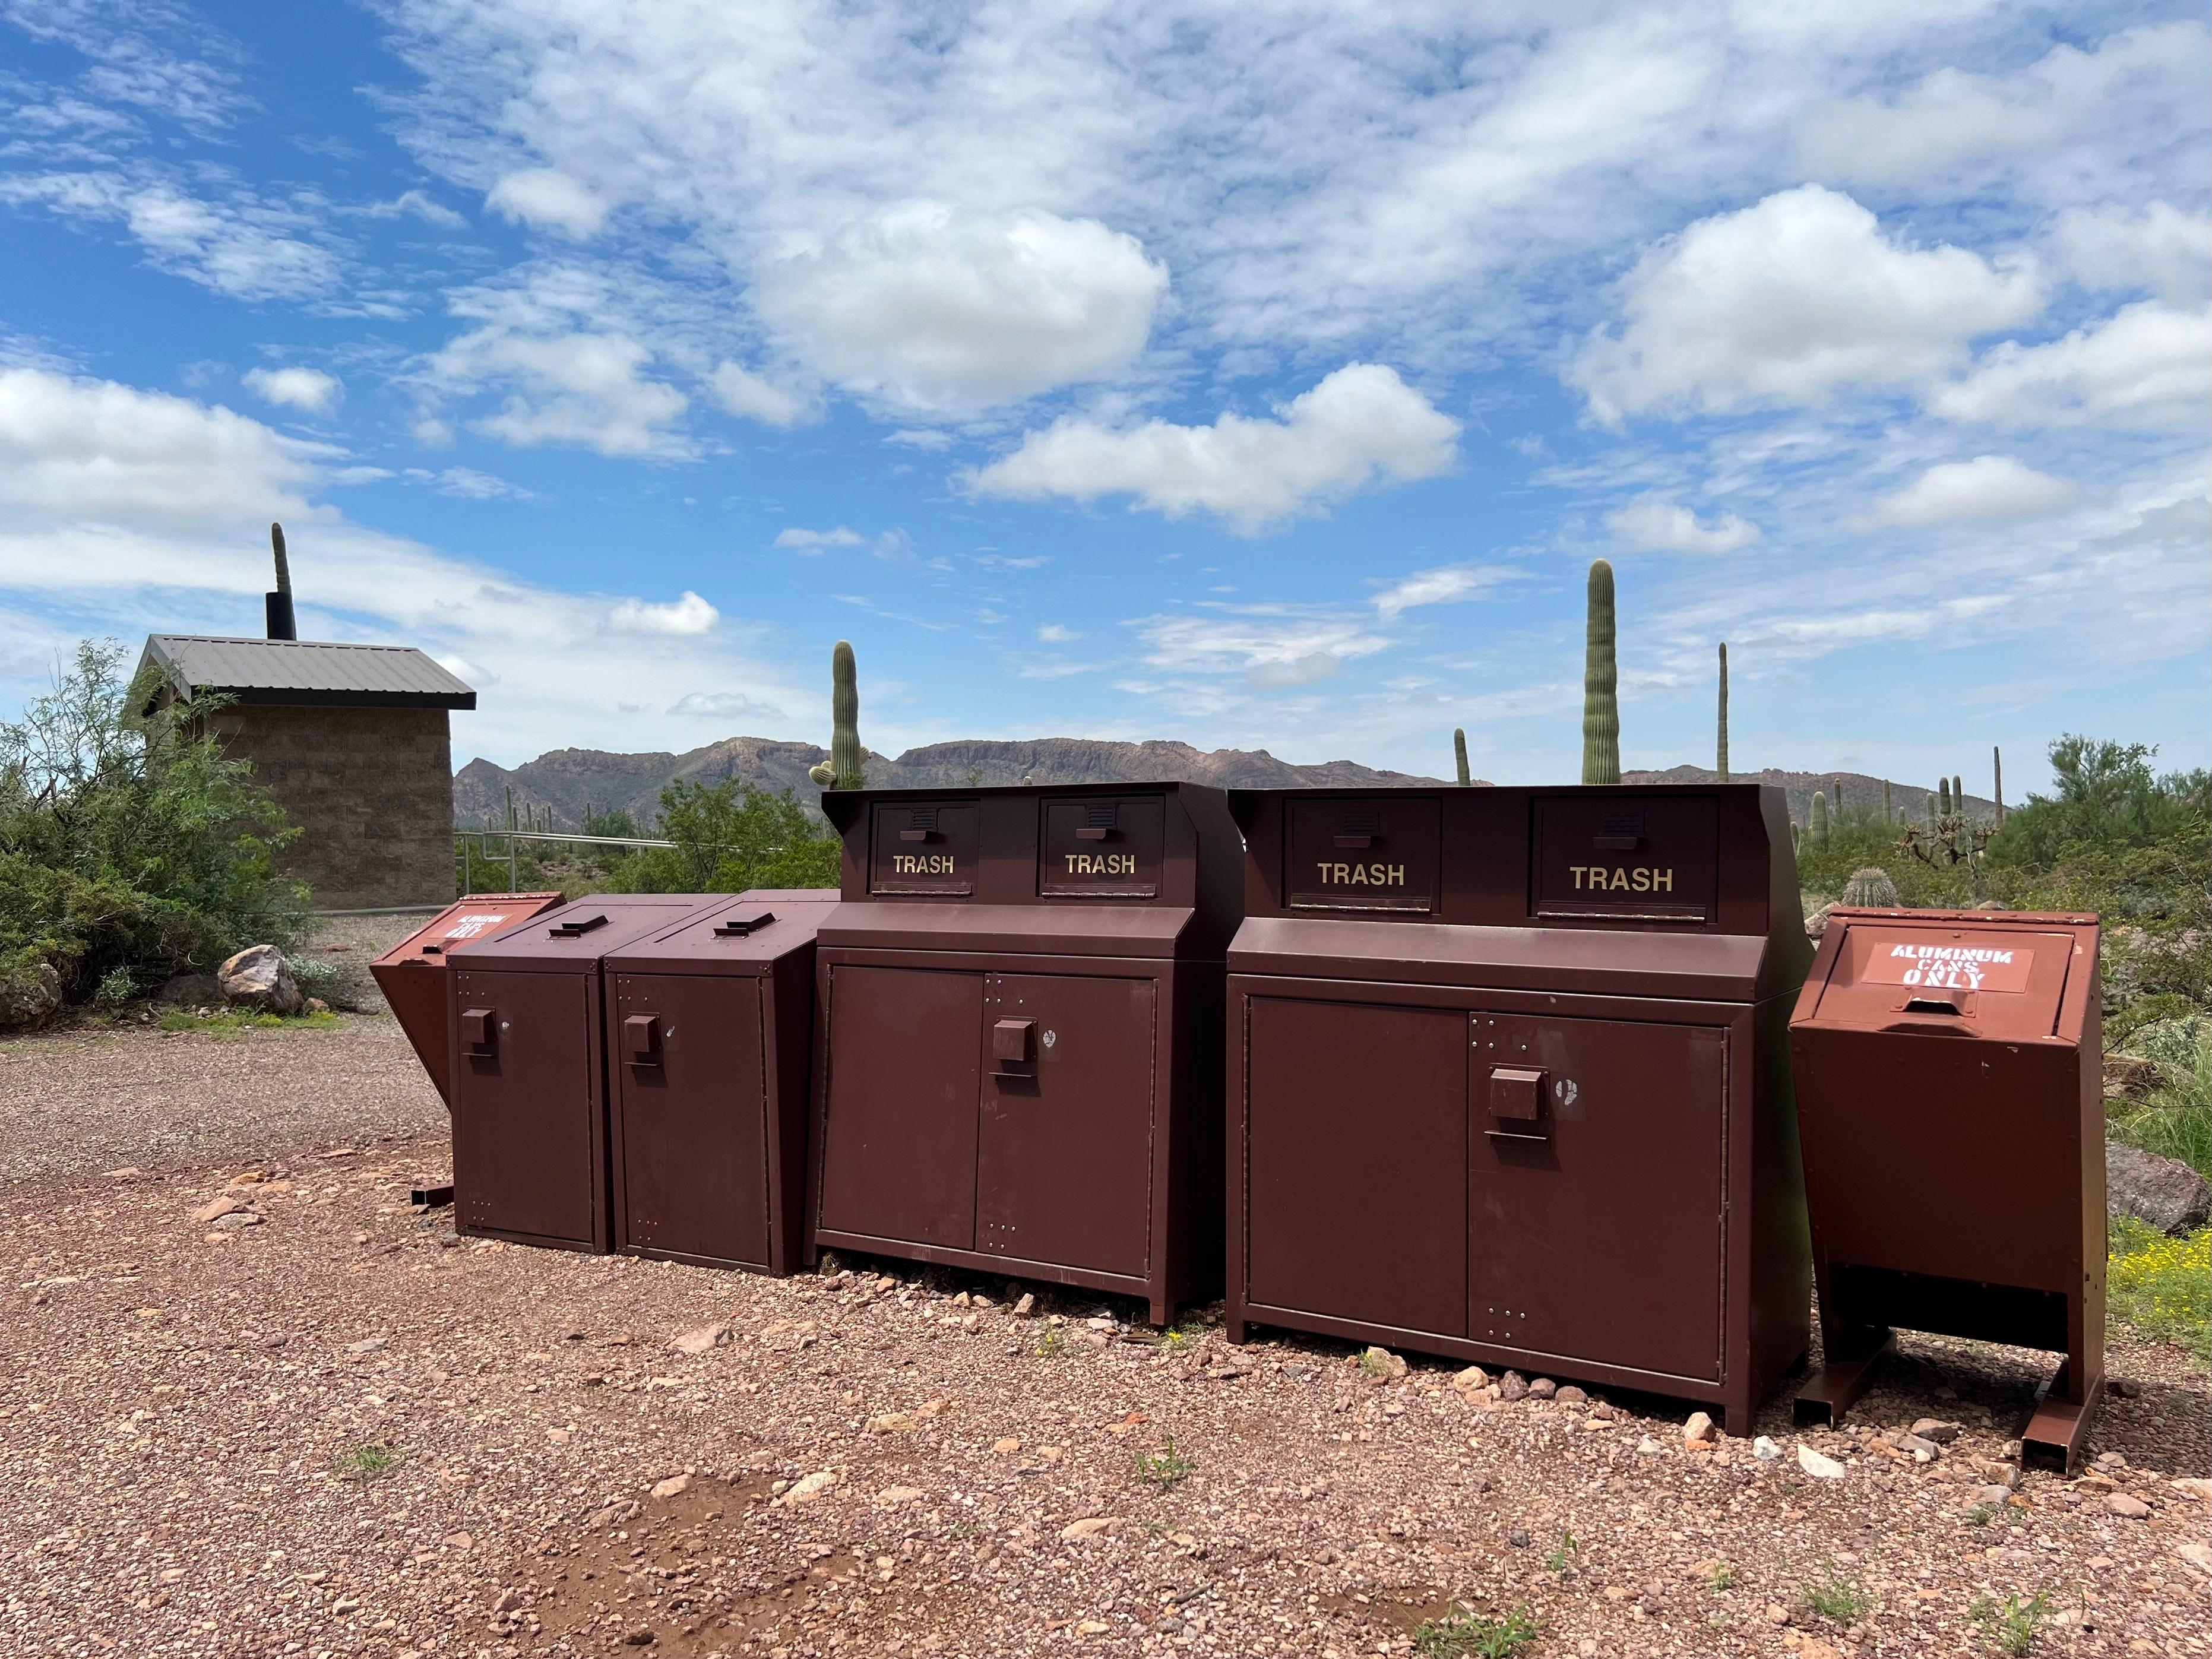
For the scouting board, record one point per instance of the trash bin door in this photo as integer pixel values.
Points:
(898, 1137)
(686, 1056)
(523, 1111)
(1064, 1147)
(1596, 1175)
(1357, 1162)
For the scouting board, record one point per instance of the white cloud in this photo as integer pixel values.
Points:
(151, 512)
(2143, 366)
(1651, 524)
(754, 398)
(1448, 585)
(306, 389)
(1987, 487)
(688, 615)
(548, 199)
(817, 541)
(1057, 634)
(468, 484)
(923, 438)
(243, 249)
(418, 204)
(1272, 648)
(929, 308)
(1955, 118)
(2157, 247)
(1359, 428)
(1786, 302)
(724, 706)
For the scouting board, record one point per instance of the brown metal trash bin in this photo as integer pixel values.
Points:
(1950, 1094)
(1508, 1081)
(710, 1029)
(1021, 1068)
(529, 1069)
(412, 972)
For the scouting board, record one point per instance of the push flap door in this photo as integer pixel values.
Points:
(922, 848)
(1102, 846)
(1630, 858)
(1945, 979)
(1363, 853)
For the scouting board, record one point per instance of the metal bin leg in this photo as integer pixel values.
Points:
(1843, 1380)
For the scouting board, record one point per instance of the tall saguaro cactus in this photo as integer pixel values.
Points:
(1996, 767)
(1720, 758)
(1459, 755)
(847, 767)
(1816, 826)
(1600, 684)
(1958, 794)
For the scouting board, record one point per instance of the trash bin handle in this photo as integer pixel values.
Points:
(1953, 1025)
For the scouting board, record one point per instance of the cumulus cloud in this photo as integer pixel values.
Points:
(1786, 302)
(933, 308)
(546, 198)
(817, 541)
(2143, 366)
(306, 389)
(1955, 118)
(688, 615)
(2157, 247)
(1986, 487)
(1652, 524)
(755, 397)
(1448, 585)
(1359, 428)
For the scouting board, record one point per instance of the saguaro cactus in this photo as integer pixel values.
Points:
(1958, 795)
(847, 767)
(1996, 767)
(1720, 757)
(1459, 755)
(1816, 827)
(1888, 816)
(1600, 684)
(284, 565)
(1942, 797)
(1839, 798)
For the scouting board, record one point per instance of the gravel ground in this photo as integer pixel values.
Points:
(99, 1097)
(336, 1430)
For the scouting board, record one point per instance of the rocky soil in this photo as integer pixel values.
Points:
(255, 1403)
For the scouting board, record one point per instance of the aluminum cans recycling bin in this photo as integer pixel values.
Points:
(1021, 1069)
(412, 972)
(1950, 1092)
(710, 1031)
(529, 1069)
(1508, 1081)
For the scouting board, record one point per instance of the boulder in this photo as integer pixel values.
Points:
(257, 978)
(30, 996)
(2162, 1191)
(1816, 925)
(192, 990)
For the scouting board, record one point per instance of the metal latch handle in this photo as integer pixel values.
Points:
(577, 928)
(641, 1039)
(739, 926)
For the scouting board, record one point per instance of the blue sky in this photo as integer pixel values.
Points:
(1263, 375)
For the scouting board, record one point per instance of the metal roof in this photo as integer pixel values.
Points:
(305, 672)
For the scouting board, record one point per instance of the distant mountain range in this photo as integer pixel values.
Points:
(571, 783)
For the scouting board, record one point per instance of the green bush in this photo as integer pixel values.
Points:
(130, 843)
(730, 836)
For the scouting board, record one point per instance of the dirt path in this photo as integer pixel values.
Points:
(198, 1414)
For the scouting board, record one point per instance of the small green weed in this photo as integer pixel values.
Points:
(1983, 1514)
(236, 1022)
(1051, 1343)
(365, 1463)
(1720, 1575)
(115, 987)
(1562, 1559)
(1470, 1636)
(1176, 1339)
(1165, 1470)
(1837, 1599)
(2011, 1623)
(1373, 1362)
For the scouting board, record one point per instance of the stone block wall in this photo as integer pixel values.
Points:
(372, 790)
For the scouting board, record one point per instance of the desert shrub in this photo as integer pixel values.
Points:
(2161, 1286)
(130, 843)
(730, 836)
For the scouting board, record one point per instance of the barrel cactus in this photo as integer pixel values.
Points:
(1816, 821)
(1459, 755)
(847, 767)
(1871, 888)
(1600, 684)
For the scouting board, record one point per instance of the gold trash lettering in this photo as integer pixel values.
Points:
(1599, 878)
(921, 864)
(1102, 864)
(1361, 875)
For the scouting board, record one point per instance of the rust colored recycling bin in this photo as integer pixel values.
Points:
(1508, 1081)
(412, 972)
(529, 1070)
(1021, 1070)
(710, 1029)
(1950, 1093)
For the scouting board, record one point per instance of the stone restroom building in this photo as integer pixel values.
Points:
(353, 742)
